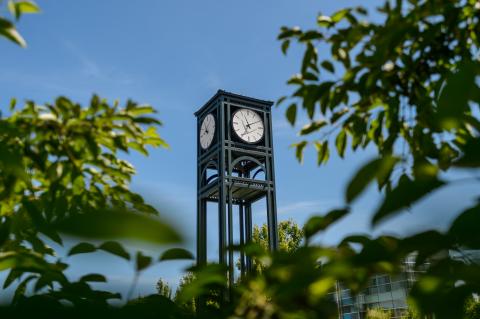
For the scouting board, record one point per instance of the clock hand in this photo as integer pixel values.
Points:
(248, 124)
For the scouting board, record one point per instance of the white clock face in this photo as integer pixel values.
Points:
(207, 131)
(248, 125)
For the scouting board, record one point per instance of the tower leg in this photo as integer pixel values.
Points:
(242, 239)
(231, 269)
(248, 232)
(272, 221)
(201, 232)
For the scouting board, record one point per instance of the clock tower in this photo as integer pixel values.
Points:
(235, 168)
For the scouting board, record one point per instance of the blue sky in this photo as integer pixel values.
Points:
(174, 55)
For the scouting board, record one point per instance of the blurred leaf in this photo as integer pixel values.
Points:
(175, 254)
(142, 262)
(93, 278)
(339, 15)
(312, 127)
(206, 278)
(285, 46)
(115, 248)
(116, 224)
(471, 155)
(320, 223)
(453, 101)
(327, 65)
(22, 260)
(8, 30)
(323, 152)
(82, 248)
(341, 143)
(377, 168)
(299, 147)
(405, 194)
(292, 113)
(17, 8)
(465, 228)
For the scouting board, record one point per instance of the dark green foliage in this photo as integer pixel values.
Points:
(407, 86)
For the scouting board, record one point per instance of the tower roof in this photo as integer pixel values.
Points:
(235, 96)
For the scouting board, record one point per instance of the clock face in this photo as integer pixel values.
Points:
(248, 125)
(207, 131)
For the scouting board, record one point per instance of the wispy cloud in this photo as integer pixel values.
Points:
(306, 206)
(92, 69)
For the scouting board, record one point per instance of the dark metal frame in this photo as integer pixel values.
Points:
(234, 162)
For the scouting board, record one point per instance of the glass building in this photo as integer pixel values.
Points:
(383, 291)
(390, 292)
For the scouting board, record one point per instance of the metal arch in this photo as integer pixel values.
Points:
(210, 164)
(247, 158)
(211, 178)
(261, 169)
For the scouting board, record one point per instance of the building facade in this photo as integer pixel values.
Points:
(390, 292)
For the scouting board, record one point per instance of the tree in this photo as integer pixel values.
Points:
(164, 289)
(290, 237)
(405, 85)
(188, 304)
(472, 309)
(378, 313)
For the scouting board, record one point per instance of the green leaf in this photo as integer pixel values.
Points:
(471, 155)
(465, 228)
(93, 278)
(82, 248)
(285, 46)
(17, 8)
(455, 96)
(12, 276)
(339, 15)
(312, 127)
(320, 223)
(299, 147)
(118, 224)
(13, 103)
(175, 254)
(327, 65)
(324, 21)
(377, 168)
(8, 30)
(142, 262)
(115, 248)
(291, 113)
(323, 152)
(341, 143)
(405, 194)
(22, 260)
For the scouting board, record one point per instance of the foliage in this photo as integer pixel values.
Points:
(61, 172)
(403, 84)
(378, 313)
(473, 309)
